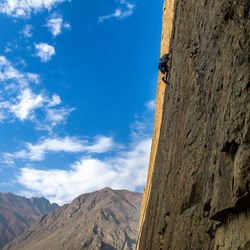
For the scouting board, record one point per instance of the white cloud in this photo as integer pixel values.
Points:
(33, 77)
(8, 72)
(121, 168)
(102, 144)
(55, 25)
(67, 144)
(56, 100)
(128, 169)
(23, 8)
(2, 117)
(126, 9)
(27, 30)
(7, 50)
(28, 102)
(55, 116)
(66, 25)
(6, 159)
(4, 105)
(44, 51)
(18, 99)
(138, 129)
(10, 47)
(37, 152)
(116, 14)
(151, 105)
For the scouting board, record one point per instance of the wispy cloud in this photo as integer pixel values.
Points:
(7, 49)
(126, 9)
(56, 100)
(26, 31)
(127, 169)
(23, 8)
(123, 168)
(8, 72)
(19, 100)
(17, 97)
(44, 51)
(26, 103)
(66, 25)
(37, 152)
(10, 47)
(151, 105)
(102, 144)
(116, 14)
(55, 116)
(56, 24)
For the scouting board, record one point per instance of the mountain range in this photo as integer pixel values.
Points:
(17, 213)
(105, 219)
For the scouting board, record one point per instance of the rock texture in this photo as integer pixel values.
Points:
(17, 213)
(161, 91)
(105, 219)
(198, 194)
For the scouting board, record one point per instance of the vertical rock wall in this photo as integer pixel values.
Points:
(168, 9)
(197, 195)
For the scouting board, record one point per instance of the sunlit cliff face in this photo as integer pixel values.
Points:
(197, 187)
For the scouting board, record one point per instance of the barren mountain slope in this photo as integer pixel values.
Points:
(105, 219)
(17, 213)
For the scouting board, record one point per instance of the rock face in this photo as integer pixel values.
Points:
(105, 219)
(17, 213)
(198, 193)
(161, 92)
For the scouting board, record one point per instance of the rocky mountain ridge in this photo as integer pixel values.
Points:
(17, 213)
(105, 219)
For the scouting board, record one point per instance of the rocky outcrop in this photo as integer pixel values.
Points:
(105, 219)
(198, 194)
(17, 213)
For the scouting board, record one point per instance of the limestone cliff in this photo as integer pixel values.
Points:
(197, 194)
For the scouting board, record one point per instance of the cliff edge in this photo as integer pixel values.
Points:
(197, 194)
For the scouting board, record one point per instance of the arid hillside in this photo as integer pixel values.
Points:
(105, 219)
(198, 194)
(17, 213)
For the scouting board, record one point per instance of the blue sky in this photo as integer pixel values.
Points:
(78, 83)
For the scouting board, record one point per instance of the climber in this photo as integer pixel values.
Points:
(163, 67)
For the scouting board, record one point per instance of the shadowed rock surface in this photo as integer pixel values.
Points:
(17, 213)
(105, 219)
(198, 189)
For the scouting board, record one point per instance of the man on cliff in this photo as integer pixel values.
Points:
(163, 67)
